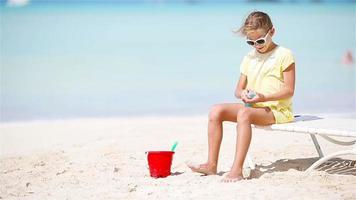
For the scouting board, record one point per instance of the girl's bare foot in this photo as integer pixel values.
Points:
(231, 177)
(205, 169)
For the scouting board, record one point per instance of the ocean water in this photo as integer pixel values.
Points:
(107, 60)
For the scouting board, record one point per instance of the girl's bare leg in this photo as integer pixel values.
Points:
(246, 117)
(218, 114)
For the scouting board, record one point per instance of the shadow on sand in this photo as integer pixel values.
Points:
(333, 166)
(176, 173)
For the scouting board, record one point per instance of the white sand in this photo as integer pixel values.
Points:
(105, 159)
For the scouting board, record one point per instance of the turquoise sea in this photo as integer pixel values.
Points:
(107, 60)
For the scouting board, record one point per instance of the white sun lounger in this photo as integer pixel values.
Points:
(324, 127)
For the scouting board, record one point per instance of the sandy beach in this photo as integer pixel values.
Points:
(105, 159)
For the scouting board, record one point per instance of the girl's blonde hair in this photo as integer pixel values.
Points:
(256, 20)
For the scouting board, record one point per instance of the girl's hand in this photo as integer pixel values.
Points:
(244, 95)
(258, 98)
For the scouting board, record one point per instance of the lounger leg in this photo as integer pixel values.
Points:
(246, 171)
(317, 146)
(251, 164)
(324, 159)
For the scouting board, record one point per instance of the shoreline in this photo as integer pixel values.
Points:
(178, 115)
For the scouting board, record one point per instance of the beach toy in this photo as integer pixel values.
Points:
(159, 163)
(251, 94)
(174, 146)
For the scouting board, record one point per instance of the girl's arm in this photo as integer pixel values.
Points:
(240, 87)
(286, 92)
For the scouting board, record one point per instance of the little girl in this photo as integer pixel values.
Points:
(267, 72)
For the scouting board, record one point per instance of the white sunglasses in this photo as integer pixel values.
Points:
(259, 41)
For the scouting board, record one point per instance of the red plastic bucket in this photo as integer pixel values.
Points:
(160, 163)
